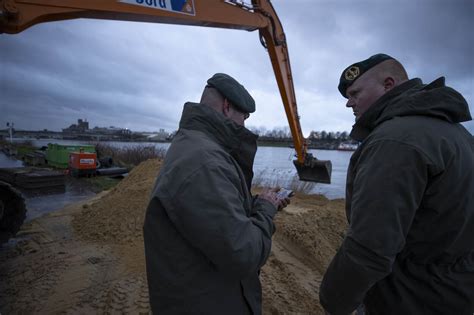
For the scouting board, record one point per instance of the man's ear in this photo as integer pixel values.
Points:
(388, 83)
(225, 107)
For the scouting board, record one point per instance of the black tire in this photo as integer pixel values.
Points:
(12, 212)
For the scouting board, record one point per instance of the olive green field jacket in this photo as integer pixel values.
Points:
(205, 236)
(409, 248)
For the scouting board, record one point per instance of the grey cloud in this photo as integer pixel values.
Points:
(138, 75)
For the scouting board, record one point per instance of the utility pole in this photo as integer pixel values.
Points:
(10, 129)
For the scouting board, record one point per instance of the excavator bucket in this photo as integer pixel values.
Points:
(314, 170)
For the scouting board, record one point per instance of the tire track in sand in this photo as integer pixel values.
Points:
(287, 277)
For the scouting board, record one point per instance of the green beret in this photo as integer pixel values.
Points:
(354, 71)
(233, 91)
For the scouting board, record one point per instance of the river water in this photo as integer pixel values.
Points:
(38, 205)
(273, 166)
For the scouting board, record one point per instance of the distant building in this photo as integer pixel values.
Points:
(162, 135)
(82, 126)
(111, 131)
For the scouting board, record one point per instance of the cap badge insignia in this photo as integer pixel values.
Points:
(352, 73)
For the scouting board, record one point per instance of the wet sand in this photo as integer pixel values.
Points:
(89, 257)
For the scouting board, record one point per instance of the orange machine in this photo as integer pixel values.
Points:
(17, 15)
(82, 163)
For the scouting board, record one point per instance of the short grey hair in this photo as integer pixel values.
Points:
(212, 97)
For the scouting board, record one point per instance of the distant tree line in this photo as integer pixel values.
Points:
(316, 139)
(323, 135)
(281, 136)
(285, 133)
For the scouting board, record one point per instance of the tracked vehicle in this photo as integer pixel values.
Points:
(12, 211)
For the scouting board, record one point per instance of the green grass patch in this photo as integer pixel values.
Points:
(24, 150)
(101, 183)
(21, 148)
(269, 178)
(129, 157)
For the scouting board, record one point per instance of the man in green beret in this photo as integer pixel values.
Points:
(409, 247)
(206, 237)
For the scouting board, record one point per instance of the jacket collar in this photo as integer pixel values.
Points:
(223, 130)
(237, 140)
(365, 124)
(413, 98)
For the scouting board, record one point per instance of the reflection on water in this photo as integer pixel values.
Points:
(274, 166)
(9, 162)
(39, 204)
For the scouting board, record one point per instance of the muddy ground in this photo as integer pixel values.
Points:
(88, 258)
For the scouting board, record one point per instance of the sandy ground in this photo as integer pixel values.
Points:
(88, 258)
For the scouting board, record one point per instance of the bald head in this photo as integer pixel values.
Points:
(214, 99)
(390, 68)
(374, 83)
(224, 94)
(211, 97)
(355, 71)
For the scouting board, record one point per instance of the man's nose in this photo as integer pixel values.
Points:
(350, 103)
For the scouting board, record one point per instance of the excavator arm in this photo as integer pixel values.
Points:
(18, 15)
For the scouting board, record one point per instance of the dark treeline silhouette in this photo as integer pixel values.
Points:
(316, 140)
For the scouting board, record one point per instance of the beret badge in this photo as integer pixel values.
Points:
(352, 73)
(356, 70)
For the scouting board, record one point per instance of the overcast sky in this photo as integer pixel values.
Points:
(139, 75)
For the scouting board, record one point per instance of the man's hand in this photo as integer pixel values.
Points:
(272, 196)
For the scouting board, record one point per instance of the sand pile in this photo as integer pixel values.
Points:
(89, 258)
(315, 225)
(118, 216)
(309, 232)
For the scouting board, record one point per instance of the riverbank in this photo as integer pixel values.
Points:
(89, 258)
(273, 165)
(319, 144)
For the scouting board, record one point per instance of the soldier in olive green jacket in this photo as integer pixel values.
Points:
(206, 237)
(410, 198)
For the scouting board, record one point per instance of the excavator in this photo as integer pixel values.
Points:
(18, 15)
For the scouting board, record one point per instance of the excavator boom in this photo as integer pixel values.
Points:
(18, 15)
